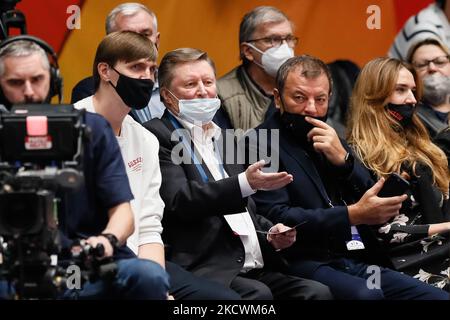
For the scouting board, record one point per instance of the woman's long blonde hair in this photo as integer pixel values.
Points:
(381, 143)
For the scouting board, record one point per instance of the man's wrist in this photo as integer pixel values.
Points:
(246, 188)
(112, 239)
(353, 214)
(348, 164)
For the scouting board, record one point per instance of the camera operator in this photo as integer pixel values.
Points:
(99, 210)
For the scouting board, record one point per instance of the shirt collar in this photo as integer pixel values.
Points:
(155, 85)
(198, 133)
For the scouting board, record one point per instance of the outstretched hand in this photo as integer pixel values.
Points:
(260, 180)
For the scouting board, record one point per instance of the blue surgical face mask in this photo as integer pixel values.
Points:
(201, 110)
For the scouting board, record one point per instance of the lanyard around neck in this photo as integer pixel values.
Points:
(189, 148)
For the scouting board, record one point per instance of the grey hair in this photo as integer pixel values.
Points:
(256, 17)
(166, 69)
(127, 9)
(436, 89)
(22, 48)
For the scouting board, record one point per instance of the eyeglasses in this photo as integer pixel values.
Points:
(277, 41)
(439, 62)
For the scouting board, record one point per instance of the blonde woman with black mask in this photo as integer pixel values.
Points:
(388, 137)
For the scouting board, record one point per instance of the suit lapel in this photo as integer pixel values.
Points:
(192, 149)
(226, 141)
(290, 148)
(303, 160)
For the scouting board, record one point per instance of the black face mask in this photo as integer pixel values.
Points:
(401, 112)
(298, 126)
(135, 93)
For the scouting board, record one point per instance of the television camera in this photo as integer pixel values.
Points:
(41, 158)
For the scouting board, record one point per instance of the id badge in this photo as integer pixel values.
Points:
(356, 243)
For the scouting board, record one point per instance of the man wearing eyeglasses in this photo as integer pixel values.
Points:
(266, 41)
(430, 59)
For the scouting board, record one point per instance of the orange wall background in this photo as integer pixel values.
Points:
(327, 29)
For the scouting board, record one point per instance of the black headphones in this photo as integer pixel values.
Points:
(56, 81)
(441, 4)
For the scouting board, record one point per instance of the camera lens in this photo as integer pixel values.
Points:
(19, 214)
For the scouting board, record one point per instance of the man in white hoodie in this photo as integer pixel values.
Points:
(124, 73)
